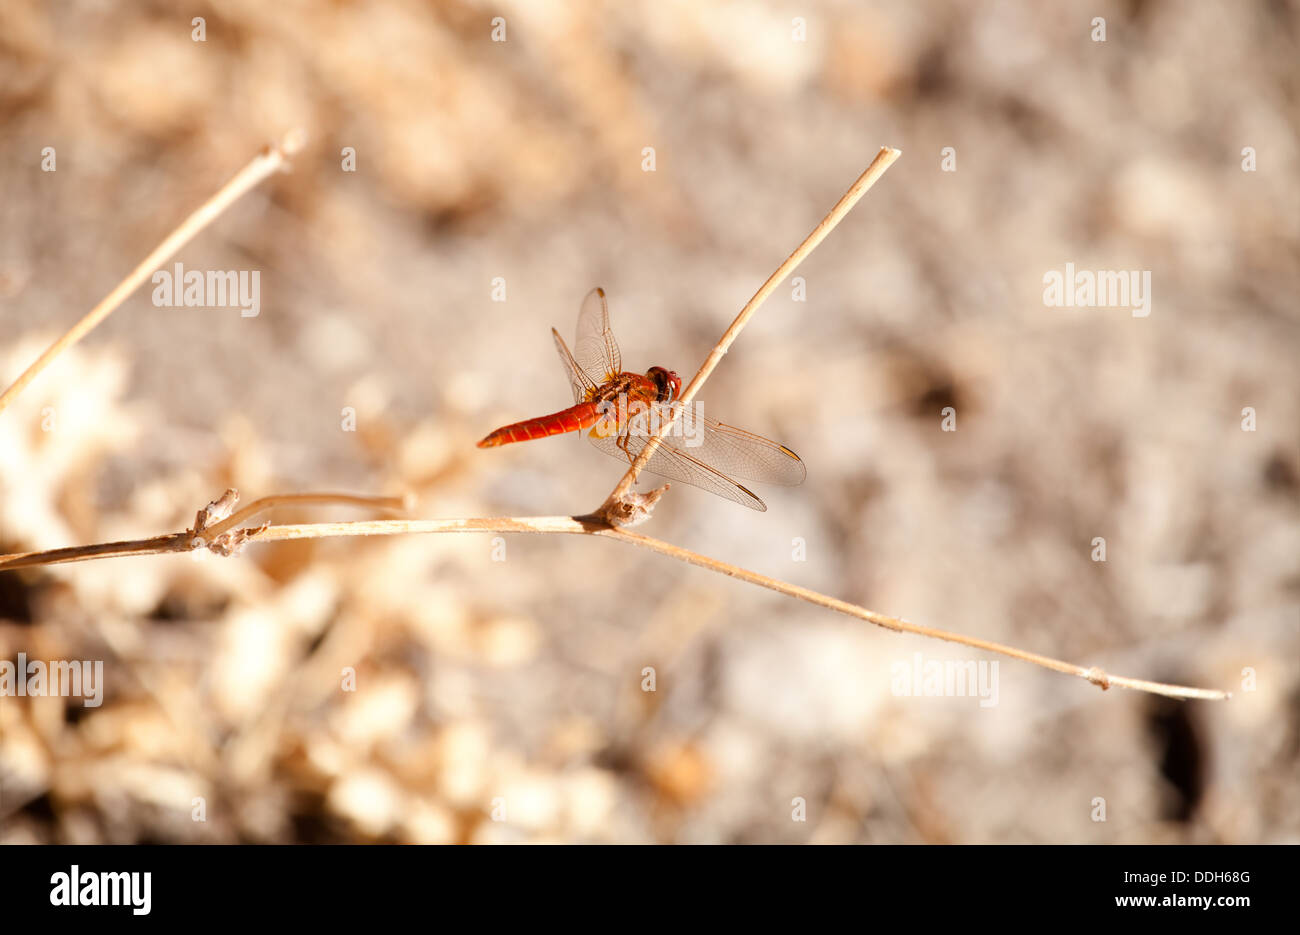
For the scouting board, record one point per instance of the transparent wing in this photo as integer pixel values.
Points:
(594, 347)
(583, 385)
(735, 452)
(709, 455)
(675, 464)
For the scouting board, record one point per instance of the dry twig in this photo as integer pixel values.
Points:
(592, 526)
(269, 160)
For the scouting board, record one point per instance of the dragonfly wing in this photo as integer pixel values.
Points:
(594, 347)
(676, 464)
(582, 384)
(735, 452)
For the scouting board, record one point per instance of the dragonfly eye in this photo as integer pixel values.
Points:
(668, 383)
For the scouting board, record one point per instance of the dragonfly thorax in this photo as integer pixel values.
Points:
(629, 385)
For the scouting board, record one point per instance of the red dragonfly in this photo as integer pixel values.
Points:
(621, 410)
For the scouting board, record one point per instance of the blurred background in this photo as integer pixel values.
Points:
(499, 681)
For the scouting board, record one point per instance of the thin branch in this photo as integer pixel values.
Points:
(593, 526)
(220, 537)
(612, 509)
(266, 503)
(171, 542)
(270, 160)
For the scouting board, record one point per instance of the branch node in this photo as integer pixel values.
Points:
(630, 508)
(233, 542)
(215, 511)
(1098, 677)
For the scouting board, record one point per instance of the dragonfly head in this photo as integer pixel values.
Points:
(668, 383)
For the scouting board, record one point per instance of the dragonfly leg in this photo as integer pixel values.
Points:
(624, 439)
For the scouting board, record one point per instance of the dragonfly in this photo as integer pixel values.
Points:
(618, 411)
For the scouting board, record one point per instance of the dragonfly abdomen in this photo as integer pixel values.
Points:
(573, 419)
